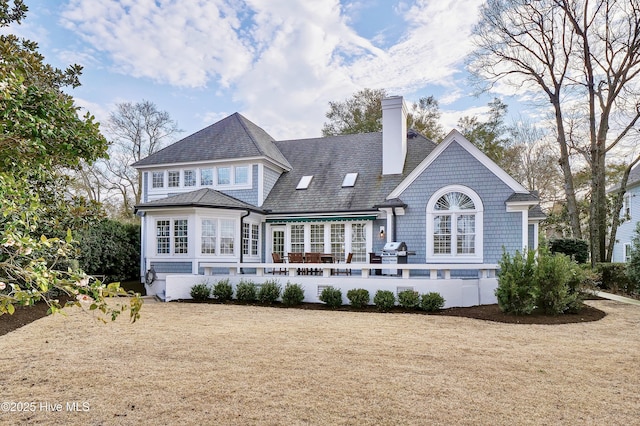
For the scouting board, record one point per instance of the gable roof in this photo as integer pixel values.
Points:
(329, 159)
(632, 180)
(456, 137)
(231, 138)
(205, 197)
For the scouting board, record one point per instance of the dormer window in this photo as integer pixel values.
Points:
(349, 180)
(304, 182)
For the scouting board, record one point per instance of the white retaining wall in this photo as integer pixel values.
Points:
(456, 292)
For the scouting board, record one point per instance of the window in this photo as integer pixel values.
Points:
(297, 238)
(250, 239)
(626, 207)
(189, 178)
(168, 236)
(174, 179)
(337, 240)
(157, 180)
(349, 180)
(180, 236)
(206, 177)
(317, 238)
(304, 182)
(227, 236)
(224, 175)
(241, 175)
(246, 236)
(163, 236)
(208, 239)
(454, 225)
(255, 239)
(627, 252)
(358, 242)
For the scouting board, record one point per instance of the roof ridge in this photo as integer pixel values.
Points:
(241, 118)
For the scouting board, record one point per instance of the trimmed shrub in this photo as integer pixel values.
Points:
(517, 290)
(222, 290)
(384, 300)
(200, 291)
(577, 250)
(269, 292)
(617, 277)
(358, 297)
(555, 276)
(431, 302)
(293, 294)
(409, 299)
(246, 291)
(332, 297)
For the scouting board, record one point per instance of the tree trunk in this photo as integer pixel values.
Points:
(569, 190)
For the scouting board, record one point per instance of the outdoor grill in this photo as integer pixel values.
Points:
(393, 253)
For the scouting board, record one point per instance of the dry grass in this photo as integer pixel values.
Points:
(216, 364)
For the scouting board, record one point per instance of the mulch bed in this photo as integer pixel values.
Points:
(483, 312)
(26, 314)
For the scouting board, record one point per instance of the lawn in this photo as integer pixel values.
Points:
(219, 364)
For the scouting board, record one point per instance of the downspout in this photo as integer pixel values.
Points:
(393, 221)
(241, 236)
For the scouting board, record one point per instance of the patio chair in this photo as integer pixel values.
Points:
(346, 271)
(313, 258)
(277, 259)
(297, 258)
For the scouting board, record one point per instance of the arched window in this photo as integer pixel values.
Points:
(454, 225)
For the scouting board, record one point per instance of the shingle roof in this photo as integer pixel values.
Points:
(633, 180)
(536, 212)
(329, 159)
(204, 197)
(518, 196)
(230, 138)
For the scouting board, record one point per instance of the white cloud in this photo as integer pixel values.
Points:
(182, 43)
(282, 60)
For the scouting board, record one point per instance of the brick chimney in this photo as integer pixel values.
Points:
(394, 135)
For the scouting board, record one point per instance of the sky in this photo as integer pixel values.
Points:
(277, 62)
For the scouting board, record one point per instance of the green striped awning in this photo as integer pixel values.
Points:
(321, 219)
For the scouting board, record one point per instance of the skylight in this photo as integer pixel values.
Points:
(349, 180)
(304, 182)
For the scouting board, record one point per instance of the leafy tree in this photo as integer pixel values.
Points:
(110, 248)
(583, 58)
(490, 136)
(424, 117)
(41, 133)
(361, 113)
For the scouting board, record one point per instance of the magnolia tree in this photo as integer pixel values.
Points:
(41, 132)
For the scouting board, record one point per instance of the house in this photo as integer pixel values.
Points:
(231, 195)
(629, 215)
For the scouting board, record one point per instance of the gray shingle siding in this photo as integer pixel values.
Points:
(172, 267)
(455, 166)
(270, 178)
(625, 232)
(249, 196)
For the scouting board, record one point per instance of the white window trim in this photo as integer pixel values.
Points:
(626, 247)
(172, 240)
(327, 236)
(476, 257)
(197, 171)
(174, 172)
(163, 179)
(237, 239)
